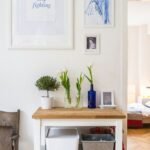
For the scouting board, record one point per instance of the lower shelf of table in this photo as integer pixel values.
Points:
(83, 130)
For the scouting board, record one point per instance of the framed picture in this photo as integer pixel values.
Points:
(107, 99)
(42, 24)
(99, 13)
(92, 44)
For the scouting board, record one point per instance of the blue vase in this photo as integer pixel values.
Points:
(91, 97)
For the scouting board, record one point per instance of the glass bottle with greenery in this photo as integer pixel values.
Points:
(79, 102)
(65, 82)
(91, 92)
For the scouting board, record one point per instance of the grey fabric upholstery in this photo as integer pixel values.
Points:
(9, 130)
(5, 138)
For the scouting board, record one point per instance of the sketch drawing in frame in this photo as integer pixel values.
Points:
(99, 13)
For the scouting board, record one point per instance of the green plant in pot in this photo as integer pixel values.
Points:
(47, 83)
(65, 82)
(91, 92)
(79, 102)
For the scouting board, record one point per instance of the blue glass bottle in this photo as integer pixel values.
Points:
(91, 97)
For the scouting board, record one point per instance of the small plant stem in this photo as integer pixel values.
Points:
(68, 96)
(47, 93)
(78, 99)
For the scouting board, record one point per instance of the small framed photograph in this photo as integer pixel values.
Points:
(92, 44)
(107, 99)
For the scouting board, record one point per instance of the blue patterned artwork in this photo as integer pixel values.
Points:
(99, 12)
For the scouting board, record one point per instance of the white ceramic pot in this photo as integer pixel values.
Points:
(46, 102)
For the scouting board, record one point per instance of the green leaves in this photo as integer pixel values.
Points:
(65, 82)
(79, 83)
(90, 77)
(79, 87)
(47, 83)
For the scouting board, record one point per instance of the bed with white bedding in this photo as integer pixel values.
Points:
(139, 113)
(139, 108)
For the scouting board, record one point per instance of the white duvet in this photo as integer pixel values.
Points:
(138, 108)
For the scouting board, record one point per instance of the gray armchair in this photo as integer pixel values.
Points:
(9, 130)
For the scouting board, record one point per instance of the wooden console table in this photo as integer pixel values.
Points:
(61, 117)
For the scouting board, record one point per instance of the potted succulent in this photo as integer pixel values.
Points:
(65, 82)
(91, 92)
(47, 83)
(79, 82)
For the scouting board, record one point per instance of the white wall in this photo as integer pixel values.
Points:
(133, 63)
(138, 61)
(19, 69)
(144, 59)
(138, 13)
(138, 49)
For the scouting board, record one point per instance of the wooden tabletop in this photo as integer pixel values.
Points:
(83, 113)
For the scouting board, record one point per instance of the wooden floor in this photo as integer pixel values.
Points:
(138, 139)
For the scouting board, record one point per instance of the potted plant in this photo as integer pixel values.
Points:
(48, 84)
(65, 82)
(79, 82)
(91, 92)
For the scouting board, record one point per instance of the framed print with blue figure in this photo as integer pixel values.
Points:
(98, 13)
(42, 24)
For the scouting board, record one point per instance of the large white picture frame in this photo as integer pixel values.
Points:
(41, 24)
(99, 13)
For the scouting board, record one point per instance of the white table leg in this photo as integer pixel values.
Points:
(118, 135)
(37, 134)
